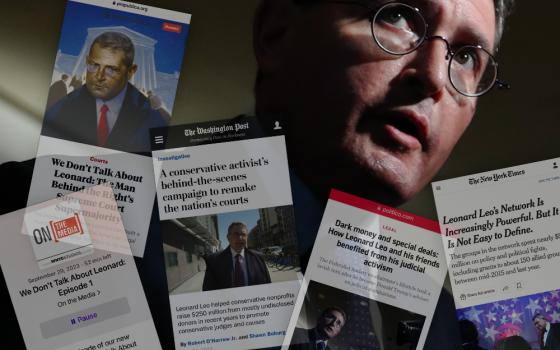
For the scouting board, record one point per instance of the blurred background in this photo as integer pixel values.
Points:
(510, 128)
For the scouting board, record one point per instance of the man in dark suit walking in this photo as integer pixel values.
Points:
(107, 111)
(329, 325)
(57, 91)
(235, 266)
(549, 333)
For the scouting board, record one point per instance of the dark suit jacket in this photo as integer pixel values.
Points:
(304, 339)
(553, 338)
(219, 270)
(74, 118)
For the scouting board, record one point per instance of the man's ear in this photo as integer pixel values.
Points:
(273, 19)
(131, 71)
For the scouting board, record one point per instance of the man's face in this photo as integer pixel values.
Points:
(363, 120)
(237, 237)
(330, 324)
(540, 324)
(107, 74)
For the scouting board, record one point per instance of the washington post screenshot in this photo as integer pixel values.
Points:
(228, 230)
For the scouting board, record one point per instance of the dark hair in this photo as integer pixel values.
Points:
(237, 223)
(116, 41)
(539, 316)
(334, 308)
(515, 342)
(469, 333)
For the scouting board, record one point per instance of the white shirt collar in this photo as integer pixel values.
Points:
(545, 333)
(234, 253)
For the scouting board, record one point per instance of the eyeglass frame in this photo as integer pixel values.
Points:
(374, 12)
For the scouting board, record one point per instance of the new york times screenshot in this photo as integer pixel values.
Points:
(501, 236)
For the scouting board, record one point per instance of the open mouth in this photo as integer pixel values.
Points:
(405, 125)
(406, 129)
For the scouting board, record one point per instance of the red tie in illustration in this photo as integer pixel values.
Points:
(103, 127)
(238, 275)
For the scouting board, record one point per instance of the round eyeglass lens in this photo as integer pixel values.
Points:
(472, 70)
(398, 28)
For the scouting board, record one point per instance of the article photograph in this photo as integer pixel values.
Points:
(115, 76)
(530, 322)
(230, 250)
(335, 319)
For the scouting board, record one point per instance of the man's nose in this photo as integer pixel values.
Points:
(100, 73)
(430, 66)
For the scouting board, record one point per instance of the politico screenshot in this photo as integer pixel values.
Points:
(372, 282)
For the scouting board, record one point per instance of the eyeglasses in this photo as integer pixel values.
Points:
(111, 72)
(400, 29)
